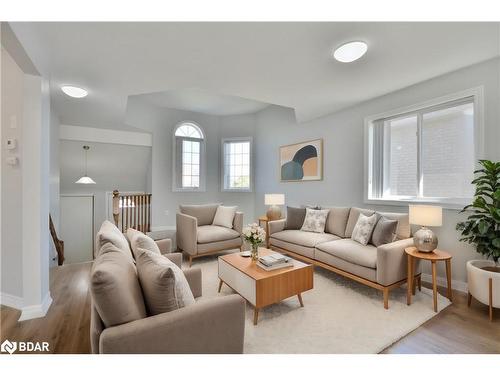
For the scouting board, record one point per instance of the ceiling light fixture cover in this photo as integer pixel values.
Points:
(350, 51)
(74, 92)
(85, 179)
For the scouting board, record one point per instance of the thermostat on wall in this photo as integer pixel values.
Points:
(11, 143)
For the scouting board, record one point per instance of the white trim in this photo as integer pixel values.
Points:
(478, 99)
(10, 300)
(203, 162)
(163, 227)
(99, 135)
(222, 165)
(458, 285)
(36, 311)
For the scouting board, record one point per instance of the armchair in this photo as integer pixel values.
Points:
(179, 331)
(197, 237)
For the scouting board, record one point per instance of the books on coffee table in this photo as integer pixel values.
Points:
(274, 262)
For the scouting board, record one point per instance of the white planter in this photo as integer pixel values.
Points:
(478, 280)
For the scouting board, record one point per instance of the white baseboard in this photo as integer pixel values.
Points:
(461, 286)
(10, 300)
(36, 311)
(160, 228)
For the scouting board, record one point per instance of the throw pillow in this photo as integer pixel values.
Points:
(164, 285)
(115, 288)
(363, 229)
(294, 217)
(224, 216)
(139, 240)
(384, 232)
(315, 220)
(110, 233)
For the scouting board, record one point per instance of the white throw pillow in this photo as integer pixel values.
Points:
(224, 216)
(139, 240)
(163, 284)
(363, 229)
(315, 220)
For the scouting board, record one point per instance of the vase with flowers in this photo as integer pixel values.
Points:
(255, 236)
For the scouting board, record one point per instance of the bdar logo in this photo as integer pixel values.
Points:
(9, 347)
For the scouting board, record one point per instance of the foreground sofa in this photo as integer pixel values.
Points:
(197, 237)
(382, 268)
(212, 326)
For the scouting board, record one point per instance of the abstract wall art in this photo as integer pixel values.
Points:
(302, 161)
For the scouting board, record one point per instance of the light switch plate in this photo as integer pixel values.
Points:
(12, 160)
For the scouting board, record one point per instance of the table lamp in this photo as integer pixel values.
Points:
(424, 239)
(274, 201)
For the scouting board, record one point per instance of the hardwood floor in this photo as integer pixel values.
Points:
(457, 329)
(66, 325)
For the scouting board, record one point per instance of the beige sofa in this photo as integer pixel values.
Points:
(197, 237)
(212, 326)
(383, 267)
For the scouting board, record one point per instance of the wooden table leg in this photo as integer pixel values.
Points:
(434, 285)
(448, 278)
(255, 316)
(420, 282)
(469, 299)
(414, 285)
(409, 279)
(220, 285)
(300, 300)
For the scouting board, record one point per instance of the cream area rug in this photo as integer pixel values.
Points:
(339, 316)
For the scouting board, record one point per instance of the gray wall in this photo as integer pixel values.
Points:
(54, 180)
(112, 166)
(11, 239)
(161, 122)
(342, 133)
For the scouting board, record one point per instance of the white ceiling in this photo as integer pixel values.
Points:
(203, 101)
(287, 64)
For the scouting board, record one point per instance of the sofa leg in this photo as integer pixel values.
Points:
(469, 299)
(386, 298)
(190, 259)
(220, 285)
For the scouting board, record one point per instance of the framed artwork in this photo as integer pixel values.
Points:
(302, 161)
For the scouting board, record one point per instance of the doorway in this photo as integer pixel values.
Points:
(77, 227)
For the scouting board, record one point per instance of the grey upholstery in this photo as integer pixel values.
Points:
(212, 326)
(208, 327)
(384, 265)
(303, 238)
(352, 252)
(197, 236)
(214, 233)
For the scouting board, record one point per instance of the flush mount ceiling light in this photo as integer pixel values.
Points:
(350, 51)
(74, 92)
(85, 179)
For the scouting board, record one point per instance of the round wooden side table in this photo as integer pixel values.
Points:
(434, 256)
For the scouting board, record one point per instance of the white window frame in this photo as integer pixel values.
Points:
(223, 169)
(477, 95)
(177, 159)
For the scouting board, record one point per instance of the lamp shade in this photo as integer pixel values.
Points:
(85, 180)
(431, 216)
(274, 199)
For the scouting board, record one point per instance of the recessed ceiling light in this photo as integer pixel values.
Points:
(74, 92)
(350, 52)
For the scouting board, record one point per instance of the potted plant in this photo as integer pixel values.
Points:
(255, 236)
(482, 229)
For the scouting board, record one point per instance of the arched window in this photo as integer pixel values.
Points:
(189, 158)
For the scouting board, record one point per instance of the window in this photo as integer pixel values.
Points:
(189, 149)
(236, 164)
(426, 153)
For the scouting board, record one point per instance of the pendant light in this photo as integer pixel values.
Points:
(85, 179)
